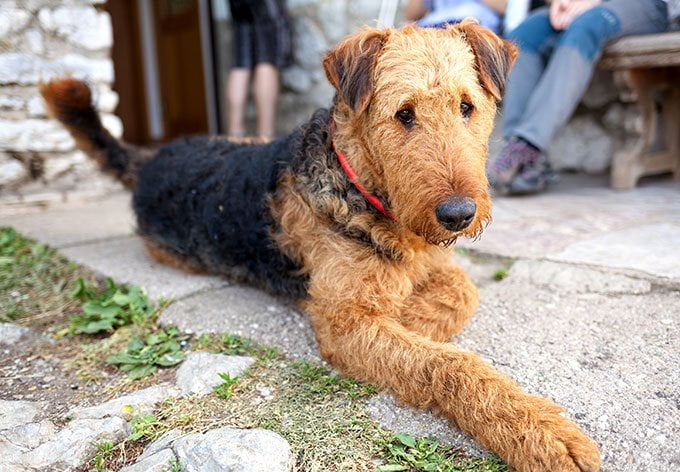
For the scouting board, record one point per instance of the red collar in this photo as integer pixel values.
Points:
(352, 176)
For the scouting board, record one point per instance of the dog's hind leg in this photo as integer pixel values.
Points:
(171, 259)
(441, 306)
(358, 330)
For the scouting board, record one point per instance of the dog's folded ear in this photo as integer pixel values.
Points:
(494, 56)
(350, 67)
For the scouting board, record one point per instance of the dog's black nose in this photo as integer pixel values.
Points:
(456, 213)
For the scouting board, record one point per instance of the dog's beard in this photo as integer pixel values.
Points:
(442, 242)
(438, 238)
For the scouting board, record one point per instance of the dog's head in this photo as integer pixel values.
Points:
(414, 111)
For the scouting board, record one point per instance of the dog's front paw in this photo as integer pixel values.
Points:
(557, 444)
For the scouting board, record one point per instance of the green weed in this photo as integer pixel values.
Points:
(174, 465)
(117, 305)
(142, 358)
(233, 345)
(145, 428)
(104, 450)
(226, 388)
(406, 453)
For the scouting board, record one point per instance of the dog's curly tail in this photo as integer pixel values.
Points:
(70, 101)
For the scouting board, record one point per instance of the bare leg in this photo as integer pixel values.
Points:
(237, 94)
(266, 91)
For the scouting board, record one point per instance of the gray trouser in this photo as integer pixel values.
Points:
(554, 67)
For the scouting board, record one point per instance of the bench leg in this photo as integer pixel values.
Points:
(637, 159)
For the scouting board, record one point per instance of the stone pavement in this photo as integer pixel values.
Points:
(589, 314)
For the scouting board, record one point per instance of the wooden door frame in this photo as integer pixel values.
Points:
(139, 82)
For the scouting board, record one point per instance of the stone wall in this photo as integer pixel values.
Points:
(40, 39)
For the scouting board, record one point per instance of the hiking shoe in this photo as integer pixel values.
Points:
(533, 176)
(516, 154)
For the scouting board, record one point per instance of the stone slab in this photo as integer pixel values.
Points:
(578, 209)
(653, 249)
(247, 312)
(126, 261)
(576, 279)
(70, 225)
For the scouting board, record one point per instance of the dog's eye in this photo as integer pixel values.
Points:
(466, 109)
(407, 117)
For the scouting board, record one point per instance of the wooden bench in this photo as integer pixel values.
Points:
(647, 67)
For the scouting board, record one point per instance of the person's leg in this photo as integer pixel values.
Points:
(572, 63)
(237, 95)
(266, 92)
(565, 79)
(535, 38)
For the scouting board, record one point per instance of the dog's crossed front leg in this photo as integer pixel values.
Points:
(360, 333)
(441, 305)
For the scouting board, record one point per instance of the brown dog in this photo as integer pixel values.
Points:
(352, 214)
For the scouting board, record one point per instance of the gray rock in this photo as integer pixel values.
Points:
(142, 402)
(601, 90)
(614, 117)
(9, 102)
(12, 456)
(310, 43)
(80, 67)
(164, 442)
(34, 41)
(333, 18)
(18, 412)
(82, 26)
(296, 79)
(19, 68)
(576, 279)
(76, 443)
(12, 20)
(158, 462)
(29, 435)
(9, 332)
(582, 145)
(234, 450)
(34, 135)
(199, 372)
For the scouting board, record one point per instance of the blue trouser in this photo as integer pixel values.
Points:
(554, 67)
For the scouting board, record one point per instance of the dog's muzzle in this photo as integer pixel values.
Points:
(456, 213)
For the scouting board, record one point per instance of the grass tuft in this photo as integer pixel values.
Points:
(406, 453)
(35, 281)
